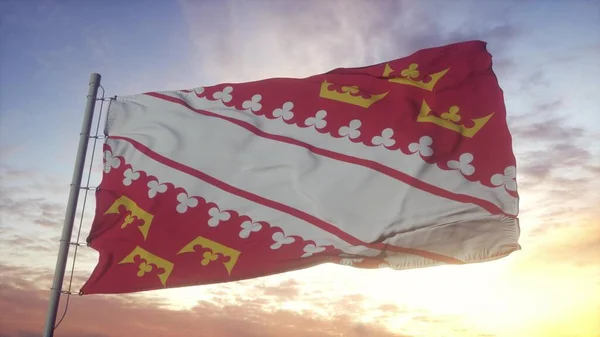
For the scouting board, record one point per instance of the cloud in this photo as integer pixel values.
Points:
(135, 316)
(249, 308)
(553, 155)
(285, 290)
(325, 35)
(568, 238)
(582, 250)
(539, 126)
(539, 164)
(32, 211)
(36, 210)
(594, 169)
(29, 243)
(32, 196)
(389, 308)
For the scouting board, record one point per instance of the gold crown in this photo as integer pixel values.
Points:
(214, 248)
(150, 259)
(137, 213)
(348, 95)
(450, 119)
(409, 74)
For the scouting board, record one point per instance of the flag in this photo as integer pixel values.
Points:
(403, 164)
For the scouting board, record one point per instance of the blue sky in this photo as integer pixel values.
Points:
(51, 47)
(546, 58)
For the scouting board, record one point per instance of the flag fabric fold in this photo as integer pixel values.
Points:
(403, 164)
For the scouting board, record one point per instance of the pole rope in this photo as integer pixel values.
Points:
(87, 189)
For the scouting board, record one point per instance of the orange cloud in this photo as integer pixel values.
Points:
(24, 307)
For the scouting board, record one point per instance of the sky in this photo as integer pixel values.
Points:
(545, 57)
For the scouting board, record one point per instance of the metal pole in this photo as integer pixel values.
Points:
(65, 240)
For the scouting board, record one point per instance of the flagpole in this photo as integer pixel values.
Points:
(65, 240)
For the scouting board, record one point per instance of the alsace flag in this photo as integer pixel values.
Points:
(403, 164)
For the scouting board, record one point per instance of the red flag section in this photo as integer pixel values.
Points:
(403, 164)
